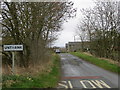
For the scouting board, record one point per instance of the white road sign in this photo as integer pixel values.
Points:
(13, 47)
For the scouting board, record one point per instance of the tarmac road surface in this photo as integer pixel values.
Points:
(77, 74)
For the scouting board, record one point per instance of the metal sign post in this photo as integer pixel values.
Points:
(13, 62)
(13, 48)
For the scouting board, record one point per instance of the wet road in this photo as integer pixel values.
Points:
(77, 73)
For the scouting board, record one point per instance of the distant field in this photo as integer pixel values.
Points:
(98, 62)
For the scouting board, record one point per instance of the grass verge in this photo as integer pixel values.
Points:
(99, 62)
(45, 80)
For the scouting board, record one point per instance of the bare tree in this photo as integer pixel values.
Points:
(101, 25)
(33, 24)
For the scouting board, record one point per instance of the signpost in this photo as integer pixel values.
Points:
(13, 48)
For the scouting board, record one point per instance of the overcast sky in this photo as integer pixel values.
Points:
(69, 28)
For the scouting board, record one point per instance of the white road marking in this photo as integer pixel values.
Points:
(100, 83)
(70, 84)
(91, 84)
(64, 81)
(62, 85)
(83, 84)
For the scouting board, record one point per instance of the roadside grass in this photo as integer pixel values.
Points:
(99, 62)
(45, 80)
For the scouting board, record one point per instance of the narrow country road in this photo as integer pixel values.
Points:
(77, 73)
